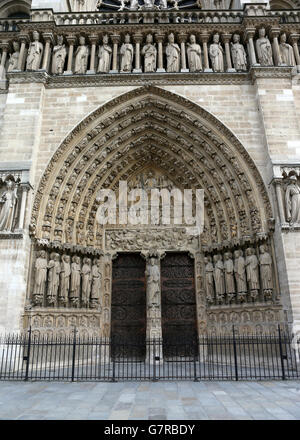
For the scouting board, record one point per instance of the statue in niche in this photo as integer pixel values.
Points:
(40, 278)
(216, 54)
(229, 276)
(286, 51)
(126, 52)
(209, 279)
(35, 53)
(59, 56)
(264, 49)
(96, 283)
(150, 53)
(252, 272)
(153, 280)
(238, 53)
(53, 277)
(86, 280)
(173, 55)
(75, 281)
(65, 274)
(104, 55)
(240, 275)
(81, 57)
(8, 204)
(265, 262)
(292, 201)
(163, 4)
(194, 55)
(14, 57)
(219, 277)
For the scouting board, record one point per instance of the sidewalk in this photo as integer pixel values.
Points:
(150, 401)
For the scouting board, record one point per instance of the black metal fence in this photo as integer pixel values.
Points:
(235, 357)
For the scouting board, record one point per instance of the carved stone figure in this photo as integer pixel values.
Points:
(134, 4)
(126, 52)
(264, 49)
(265, 262)
(75, 280)
(286, 51)
(240, 274)
(65, 278)
(8, 202)
(81, 57)
(292, 201)
(40, 277)
(216, 54)
(148, 4)
(96, 283)
(229, 277)
(35, 52)
(150, 53)
(14, 57)
(59, 56)
(194, 55)
(209, 279)
(252, 272)
(238, 53)
(163, 4)
(219, 277)
(53, 278)
(84, 5)
(104, 55)
(153, 280)
(173, 55)
(86, 280)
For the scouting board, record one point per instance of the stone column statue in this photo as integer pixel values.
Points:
(86, 281)
(96, 284)
(65, 274)
(252, 272)
(59, 56)
(292, 201)
(150, 53)
(40, 277)
(53, 278)
(81, 57)
(8, 202)
(286, 51)
(153, 281)
(35, 53)
(265, 262)
(240, 275)
(173, 55)
(14, 57)
(209, 280)
(229, 276)
(216, 54)
(264, 49)
(194, 55)
(219, 278)
(238, 53)
(75, 281)
(126, 52)
(104, 54)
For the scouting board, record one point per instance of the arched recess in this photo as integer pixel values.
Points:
(13, 7)
(150, 128)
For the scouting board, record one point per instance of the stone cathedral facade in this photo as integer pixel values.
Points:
(160, 94)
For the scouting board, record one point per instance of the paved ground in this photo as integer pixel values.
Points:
(150, 401)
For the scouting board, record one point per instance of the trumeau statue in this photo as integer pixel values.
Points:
(35, 53)
(216, 54)
(8, 202)
(286, 52)
(240, 275)
(104, 55)
(53, 277)
(229, 277)
(126, 52)
(81, 57)
(40, 277)
(153, 280)
(59, 56)
(219, 277)
(238, 53)
(150, 53)
(14, 57)
(65, 278)
(194, 55)
(96, 283)
(264, 49)
(292, 201)
(86, 280)
(209, 279)
(173, 55)
(252, 271)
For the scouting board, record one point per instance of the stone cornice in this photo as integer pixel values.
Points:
(270, 72)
